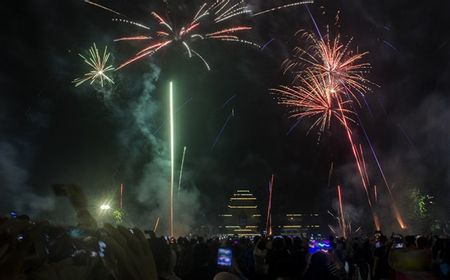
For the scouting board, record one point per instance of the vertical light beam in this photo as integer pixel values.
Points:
(172, 161)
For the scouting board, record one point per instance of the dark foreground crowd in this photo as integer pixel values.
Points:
(39, 250)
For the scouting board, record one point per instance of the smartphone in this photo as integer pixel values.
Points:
(377, 244)
(224, 256)
(13, 214)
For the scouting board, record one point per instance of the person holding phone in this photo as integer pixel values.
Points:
(380, 259)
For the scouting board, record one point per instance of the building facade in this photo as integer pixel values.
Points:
(244, 215)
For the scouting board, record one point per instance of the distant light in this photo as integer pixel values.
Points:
(13, 214)
(105, 207)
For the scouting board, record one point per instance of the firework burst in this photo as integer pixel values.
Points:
(314, 99)
(100, 69)
(212, 21)
(332, 59)
(334, 79)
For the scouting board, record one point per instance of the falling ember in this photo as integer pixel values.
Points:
(222, 129)
(332, 229)
(155, 228)
(269, 207)
(121, 196)
(375, 192)
(181, 170)
(397, 216)
(341, 210)
(330, 172)
(376, 220)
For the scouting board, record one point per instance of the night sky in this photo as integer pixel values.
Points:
(52, 132)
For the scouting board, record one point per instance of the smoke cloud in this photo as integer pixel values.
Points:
(145, 158)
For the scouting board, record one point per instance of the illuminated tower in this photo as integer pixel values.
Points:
(242, 216)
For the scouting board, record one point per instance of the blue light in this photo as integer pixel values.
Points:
(315, 246)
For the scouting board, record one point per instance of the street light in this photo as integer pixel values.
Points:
(105, 207)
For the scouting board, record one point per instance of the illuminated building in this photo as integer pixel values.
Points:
(305, 224)
(243, 216)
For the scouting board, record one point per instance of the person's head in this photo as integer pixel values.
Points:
(261, 245)
(256, 239)
(161, 251)
(410, 241)
(382, 239)
(225, 276)
(319, 260)
(278, 244)
(421, 242)
(201, 254)
(151, 234)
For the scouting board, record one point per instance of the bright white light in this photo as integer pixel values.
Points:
(105, 207)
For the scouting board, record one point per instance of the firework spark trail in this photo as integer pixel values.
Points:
(390, 45)
(332, 229)
(366, 176)
(375, 193)
(133, 38)
(148, 53)
(332, 215)
(330, 172)
(267, 44)
(181, 170)
(216, 140)
(408, 138)
(131, 22)
(314, 22)
(269, 207)
(99, 68)
(357, 158)
(377, 221)
(341, 211)
(155, 228)
(397, 213)
(228, 100)
(102, 7)
(282, 7)
(293, 126)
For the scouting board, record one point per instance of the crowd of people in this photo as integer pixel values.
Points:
(40, 250)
